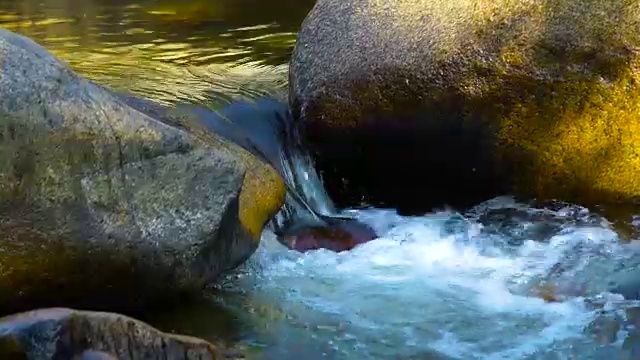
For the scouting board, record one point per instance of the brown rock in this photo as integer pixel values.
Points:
(109, 202)
(61, 333)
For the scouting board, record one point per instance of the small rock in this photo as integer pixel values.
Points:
(633, 316)
(605, 328)
(558, 291)
(62, 333)
(338, 235)
(418, 103)
(631, 346)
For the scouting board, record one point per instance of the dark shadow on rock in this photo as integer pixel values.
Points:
(201, 317)
(424, 106)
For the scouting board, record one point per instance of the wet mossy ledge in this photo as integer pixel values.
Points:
(107, 202)
(425, 103)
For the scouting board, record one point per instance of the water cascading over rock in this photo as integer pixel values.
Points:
(308, 219)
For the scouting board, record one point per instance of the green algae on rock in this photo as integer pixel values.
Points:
(109, 204)
(459, 101)
(63, 333)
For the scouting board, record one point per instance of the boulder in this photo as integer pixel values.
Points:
(63, 333)
(109, 201)
(418, 103)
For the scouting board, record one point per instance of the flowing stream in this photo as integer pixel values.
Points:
(448, 286)
(503, 280)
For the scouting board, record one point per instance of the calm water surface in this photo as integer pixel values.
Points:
(190, 50)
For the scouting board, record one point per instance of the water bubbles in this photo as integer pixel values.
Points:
(503, 281)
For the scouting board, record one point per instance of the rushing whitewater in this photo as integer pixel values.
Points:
(448, 286)
(503, 280)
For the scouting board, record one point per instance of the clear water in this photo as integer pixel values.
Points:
(446, 286)
(202, 51)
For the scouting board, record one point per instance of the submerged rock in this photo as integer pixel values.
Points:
(62, 333)
(336, 235)
(627, 284)
(419, 102)
(109, 202)
(557, 291)
(604, 329)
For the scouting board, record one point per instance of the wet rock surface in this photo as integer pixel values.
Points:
(337, 235)
(62, 333)
(110, 202)
(421, 103)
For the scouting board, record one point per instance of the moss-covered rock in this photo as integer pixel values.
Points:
(63, 333)
(460, 100)
(108, 202)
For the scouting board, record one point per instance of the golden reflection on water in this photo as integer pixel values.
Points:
(170, 51)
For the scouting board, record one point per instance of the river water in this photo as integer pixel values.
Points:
(450, 286)
(503, 280)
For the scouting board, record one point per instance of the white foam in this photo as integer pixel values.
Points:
(432, 289)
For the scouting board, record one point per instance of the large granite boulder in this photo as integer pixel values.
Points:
(110, 202)
(416, 103)
(63, 333)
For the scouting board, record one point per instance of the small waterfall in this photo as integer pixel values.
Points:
(266, 128)
(307, 198)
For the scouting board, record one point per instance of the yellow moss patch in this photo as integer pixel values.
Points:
(263, 190)
(263, 193)
(580, 140)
